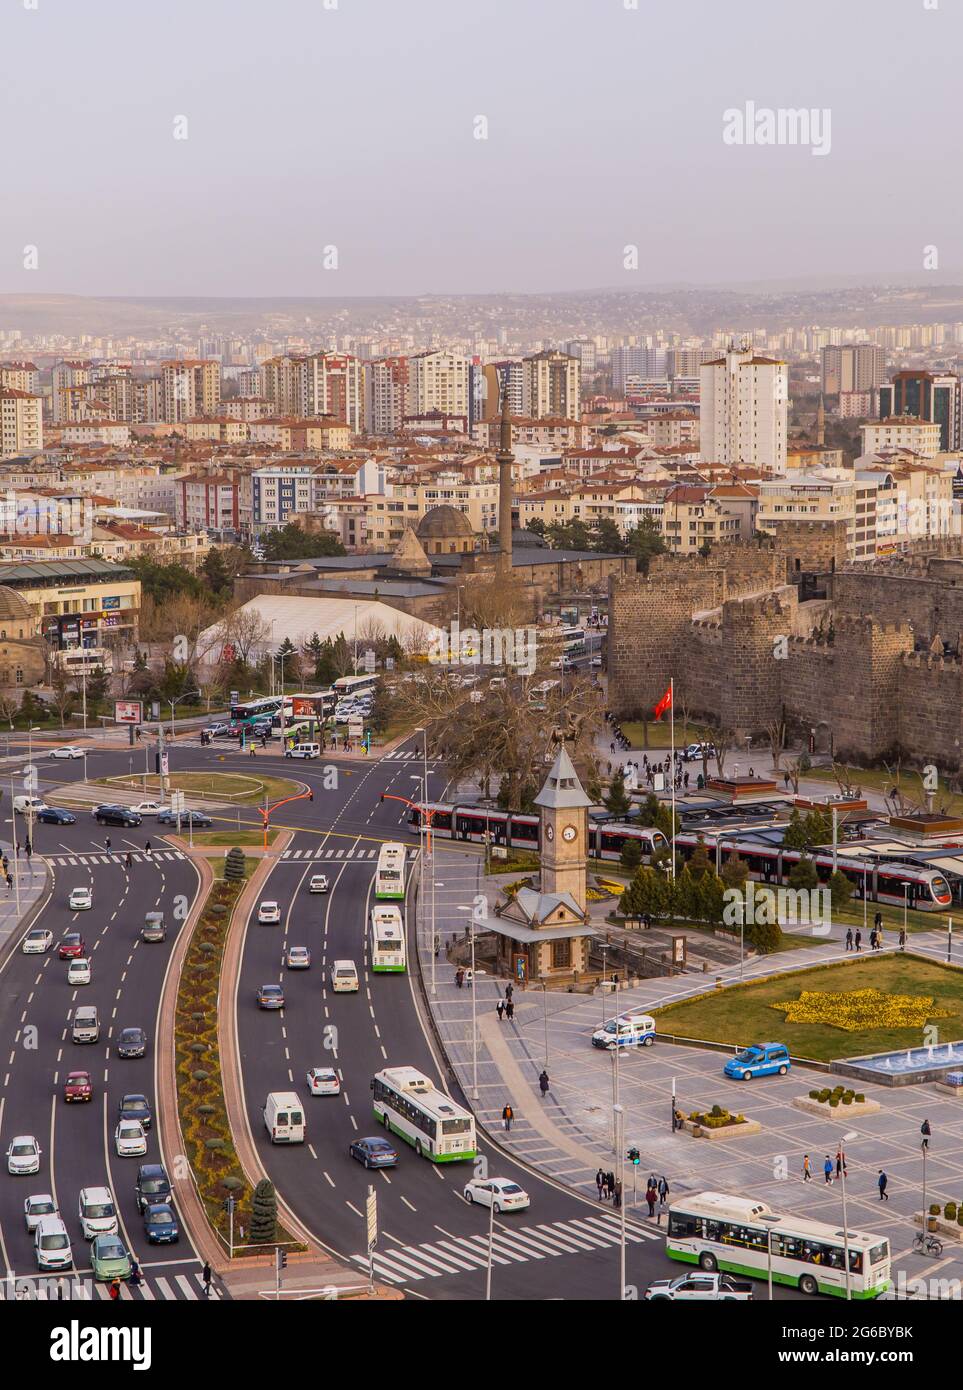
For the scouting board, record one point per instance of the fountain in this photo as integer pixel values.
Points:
(917, 1064)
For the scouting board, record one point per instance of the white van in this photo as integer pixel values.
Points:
(344, 977)
(23, 804)
(628, 1030)
(284, 1118)
(86, 1025)
(303, 750)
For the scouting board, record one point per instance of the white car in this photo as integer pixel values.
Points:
(23, 804)
(80, 899)
(149, 808)
(596, 663)
(37, 941)
(40, 1204)
(78, 971)
(23, 1155)
(98, 1215)
(268, 914)
(501, 1193)
(130, 1139)
(323, 1081)
(71, 751)
(318, 883)
(51, 1244)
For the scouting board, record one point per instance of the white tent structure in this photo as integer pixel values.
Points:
(260, 626)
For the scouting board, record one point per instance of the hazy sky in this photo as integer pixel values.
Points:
(354, 127)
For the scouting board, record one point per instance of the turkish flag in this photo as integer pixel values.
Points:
(664, 704)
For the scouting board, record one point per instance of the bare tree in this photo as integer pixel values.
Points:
(776, 734)
(238, 634)
(723, 740)
(795, 768)
(843, 777)
(8, 708)
(62, 696)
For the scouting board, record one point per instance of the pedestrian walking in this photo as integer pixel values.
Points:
(878, 921)
(107, 844)
(9, 881)
(882, 1182)
(926, 1134)
(662, 1187)
(858, 939)
(28, 850)
(661, 1210)
(543, 1082)
(605, 1185)
(828, 1171)
(510, 1010)
(147, 849)
(872, 940)
(651, 1197)
(128, 861)
(206, 1276)
(114, 1289)
(16, 849)
(509, 990)
(500, 1009)
(508, 1114)
(134, 1279)
(459, 978)
(610, 1183)
(618, 1193)
(902, 938)
(849, 938)
(252, 751)
(600, 1182)
(807, 1169)
(840, 1165)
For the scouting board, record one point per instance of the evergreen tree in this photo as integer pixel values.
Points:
(766, 937)
(685, 895)
(840, 890)
(699, 862)
(616, 800)
(804, 875)
(794, 836)
(631, 855)
(644, 541)
(710, 897)
(264, 1213)
(735, 871)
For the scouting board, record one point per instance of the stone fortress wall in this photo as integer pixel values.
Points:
(875, 656)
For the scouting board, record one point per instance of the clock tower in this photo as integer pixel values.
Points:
(563, 812)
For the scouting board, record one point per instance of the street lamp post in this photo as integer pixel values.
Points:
(491, 1239)
(618, 1116)
(842, 1178)
(544, 988)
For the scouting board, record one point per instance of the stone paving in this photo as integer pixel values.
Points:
(569, 1133)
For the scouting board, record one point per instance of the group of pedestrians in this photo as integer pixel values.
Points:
(135, 1279)
(838, 1171)
(609, 1186)
(854, 939)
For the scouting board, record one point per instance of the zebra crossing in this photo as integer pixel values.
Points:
(361, 853)
(516, 1244)
(119, 857)
(168, 1288)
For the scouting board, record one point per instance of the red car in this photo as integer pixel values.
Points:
(77, 1086)
(72, 946)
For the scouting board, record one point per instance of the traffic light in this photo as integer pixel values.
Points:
(282, 1259)
(634, 1156)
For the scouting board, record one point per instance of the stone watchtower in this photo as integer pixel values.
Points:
(563, 813)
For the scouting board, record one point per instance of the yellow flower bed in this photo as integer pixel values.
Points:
(859, 1009)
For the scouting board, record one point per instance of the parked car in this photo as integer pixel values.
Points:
(160, 1224)
(40, 1204)
(109, 814)
(78, 971)
(298, 958)
(109, 1259)
(699, 750)
(323, 1081)
(56, 815)
(77, 1086)
(270, 997)
(318, 883)
(373, 1152)
(97, 1212)
(152, 1186)
(503, 1194)
(71, 945)
(135, 1106)
(23, 1155)
(762, 1059)
(81, 899)
(69, 751)
(130, 1139)
(37, 941)
(269, 914)
(131, 1042)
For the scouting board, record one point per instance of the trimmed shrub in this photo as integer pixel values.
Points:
(815, 1095)
(934, 1209)
(834, 1101)
(234, 863)
(949, 1211)
(860, 1098)
(264, 1213)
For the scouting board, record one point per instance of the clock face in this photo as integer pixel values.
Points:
(569, 833)
(549, 832)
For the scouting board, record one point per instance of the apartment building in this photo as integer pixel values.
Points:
(693, 520)
(744, 412)
(208, 502)
(323, 383)
(923, 437)
(551, 386)
(21, 422)
(115, 433)
(853, 367)
(20, 376)
(865, 500)
(189, 387)
(386, 400)
(69, 383)
(438, 383)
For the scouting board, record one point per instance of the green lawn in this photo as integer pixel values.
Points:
(239, 788)
(227, 838)
(659, 735)
(877, 780)
(741, 1014)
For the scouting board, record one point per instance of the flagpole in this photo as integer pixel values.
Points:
(672, 763)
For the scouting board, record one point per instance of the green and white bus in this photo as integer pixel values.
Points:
(387, 939)
(409, 1104)
(718, 1231)
(390, 876)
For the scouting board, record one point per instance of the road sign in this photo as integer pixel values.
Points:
(368, 661)
(177, 803)
(371, 1217)
(235, 698)
(155, 710)
(128, 711)
(355, 728)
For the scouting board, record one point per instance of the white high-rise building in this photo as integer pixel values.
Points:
(551, 386)
(386, 394)
(21, 422)
(438, 380)
(744, 415)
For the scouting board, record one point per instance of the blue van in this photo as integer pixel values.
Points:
(762, 1059)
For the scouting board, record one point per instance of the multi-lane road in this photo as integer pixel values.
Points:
(432, 1243)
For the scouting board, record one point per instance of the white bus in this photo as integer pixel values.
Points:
(354, 685)
(390, 877)
(718, 1231)
(387, 939)
(76, 661)
(411, 1105)
(538, 695)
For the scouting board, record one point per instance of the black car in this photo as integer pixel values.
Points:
(108, 814)
(135, 1107)
(153, 1187)
(195, 818)
(131, 1042)
(55, 815)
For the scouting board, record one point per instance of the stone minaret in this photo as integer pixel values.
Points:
(505, 458)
